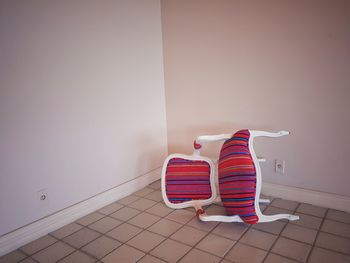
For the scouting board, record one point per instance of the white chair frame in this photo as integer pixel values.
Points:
(197, 204)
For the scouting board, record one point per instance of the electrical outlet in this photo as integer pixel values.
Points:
(43, 196)
(280, 166)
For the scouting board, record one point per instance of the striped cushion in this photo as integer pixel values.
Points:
(187, 180)
(237, 177)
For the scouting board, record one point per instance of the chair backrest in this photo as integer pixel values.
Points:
(237, 177)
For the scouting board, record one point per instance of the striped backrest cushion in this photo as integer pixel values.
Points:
(237, 177)
(187, 180)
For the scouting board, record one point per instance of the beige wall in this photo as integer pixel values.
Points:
(267, 65)
(82, 105)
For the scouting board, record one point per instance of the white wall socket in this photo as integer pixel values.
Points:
(280, 166)
(43, 196)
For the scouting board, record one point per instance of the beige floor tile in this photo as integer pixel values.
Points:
(190, 209)
(105, 224)
(66, 230)
(123, 254)
(312, 210)
(291, 249)
(128, 200)
(336, 243)
(170, 251)
(124, 232)
(320, 255)
(146, 241)
(216, 245)
(89, 219)
(215, 210)
(336, 228)
(101, 246)
(78, 257)
(205, 226)
(155, 196)
(150, 259)
(125, 213)
(81, 238)
(143, 192)
(109, 209)
(338, 216)
(155, 185)
(142, 204)
(53, 253)
(196, 255)
(307, 221)
(232, 231)
(273, 258)
(14, 256)
(159, 209)
(245, 254)
(299, 233)
(144, 220)
(181, 216)
(188, 235)
(165, 227)
(258, 239)
(285, 204)
(272, 210)
(27, 260)
(38, 244)
(271, 227)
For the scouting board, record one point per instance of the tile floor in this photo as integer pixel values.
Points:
(140, 228)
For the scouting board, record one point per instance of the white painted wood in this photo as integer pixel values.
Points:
(28, 233)
(213, 138)
(264, 201)
(218, 218)
(327, 200)
(264, 218)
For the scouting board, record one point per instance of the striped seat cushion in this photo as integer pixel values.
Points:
(237, 177)
(187, 180)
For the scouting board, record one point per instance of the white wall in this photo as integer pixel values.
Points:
(266, 65)
(82, 105)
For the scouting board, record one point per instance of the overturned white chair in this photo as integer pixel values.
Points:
(189, 180)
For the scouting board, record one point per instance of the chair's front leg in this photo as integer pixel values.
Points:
(264, 201)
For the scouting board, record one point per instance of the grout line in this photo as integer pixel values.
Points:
(168, 238)
(278, 236)
(29, 255)
(22, 260)
(210, 232)
(127, 221)
(317, 234)
(183, 225)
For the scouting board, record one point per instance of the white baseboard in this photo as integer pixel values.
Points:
(28, 233)
(322, 199)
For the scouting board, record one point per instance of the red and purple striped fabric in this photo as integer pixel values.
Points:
(187, 180)
(237, 177)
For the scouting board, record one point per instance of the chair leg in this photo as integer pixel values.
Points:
(264, 201)
(202, 215)
(226, 219)
(270, 218)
